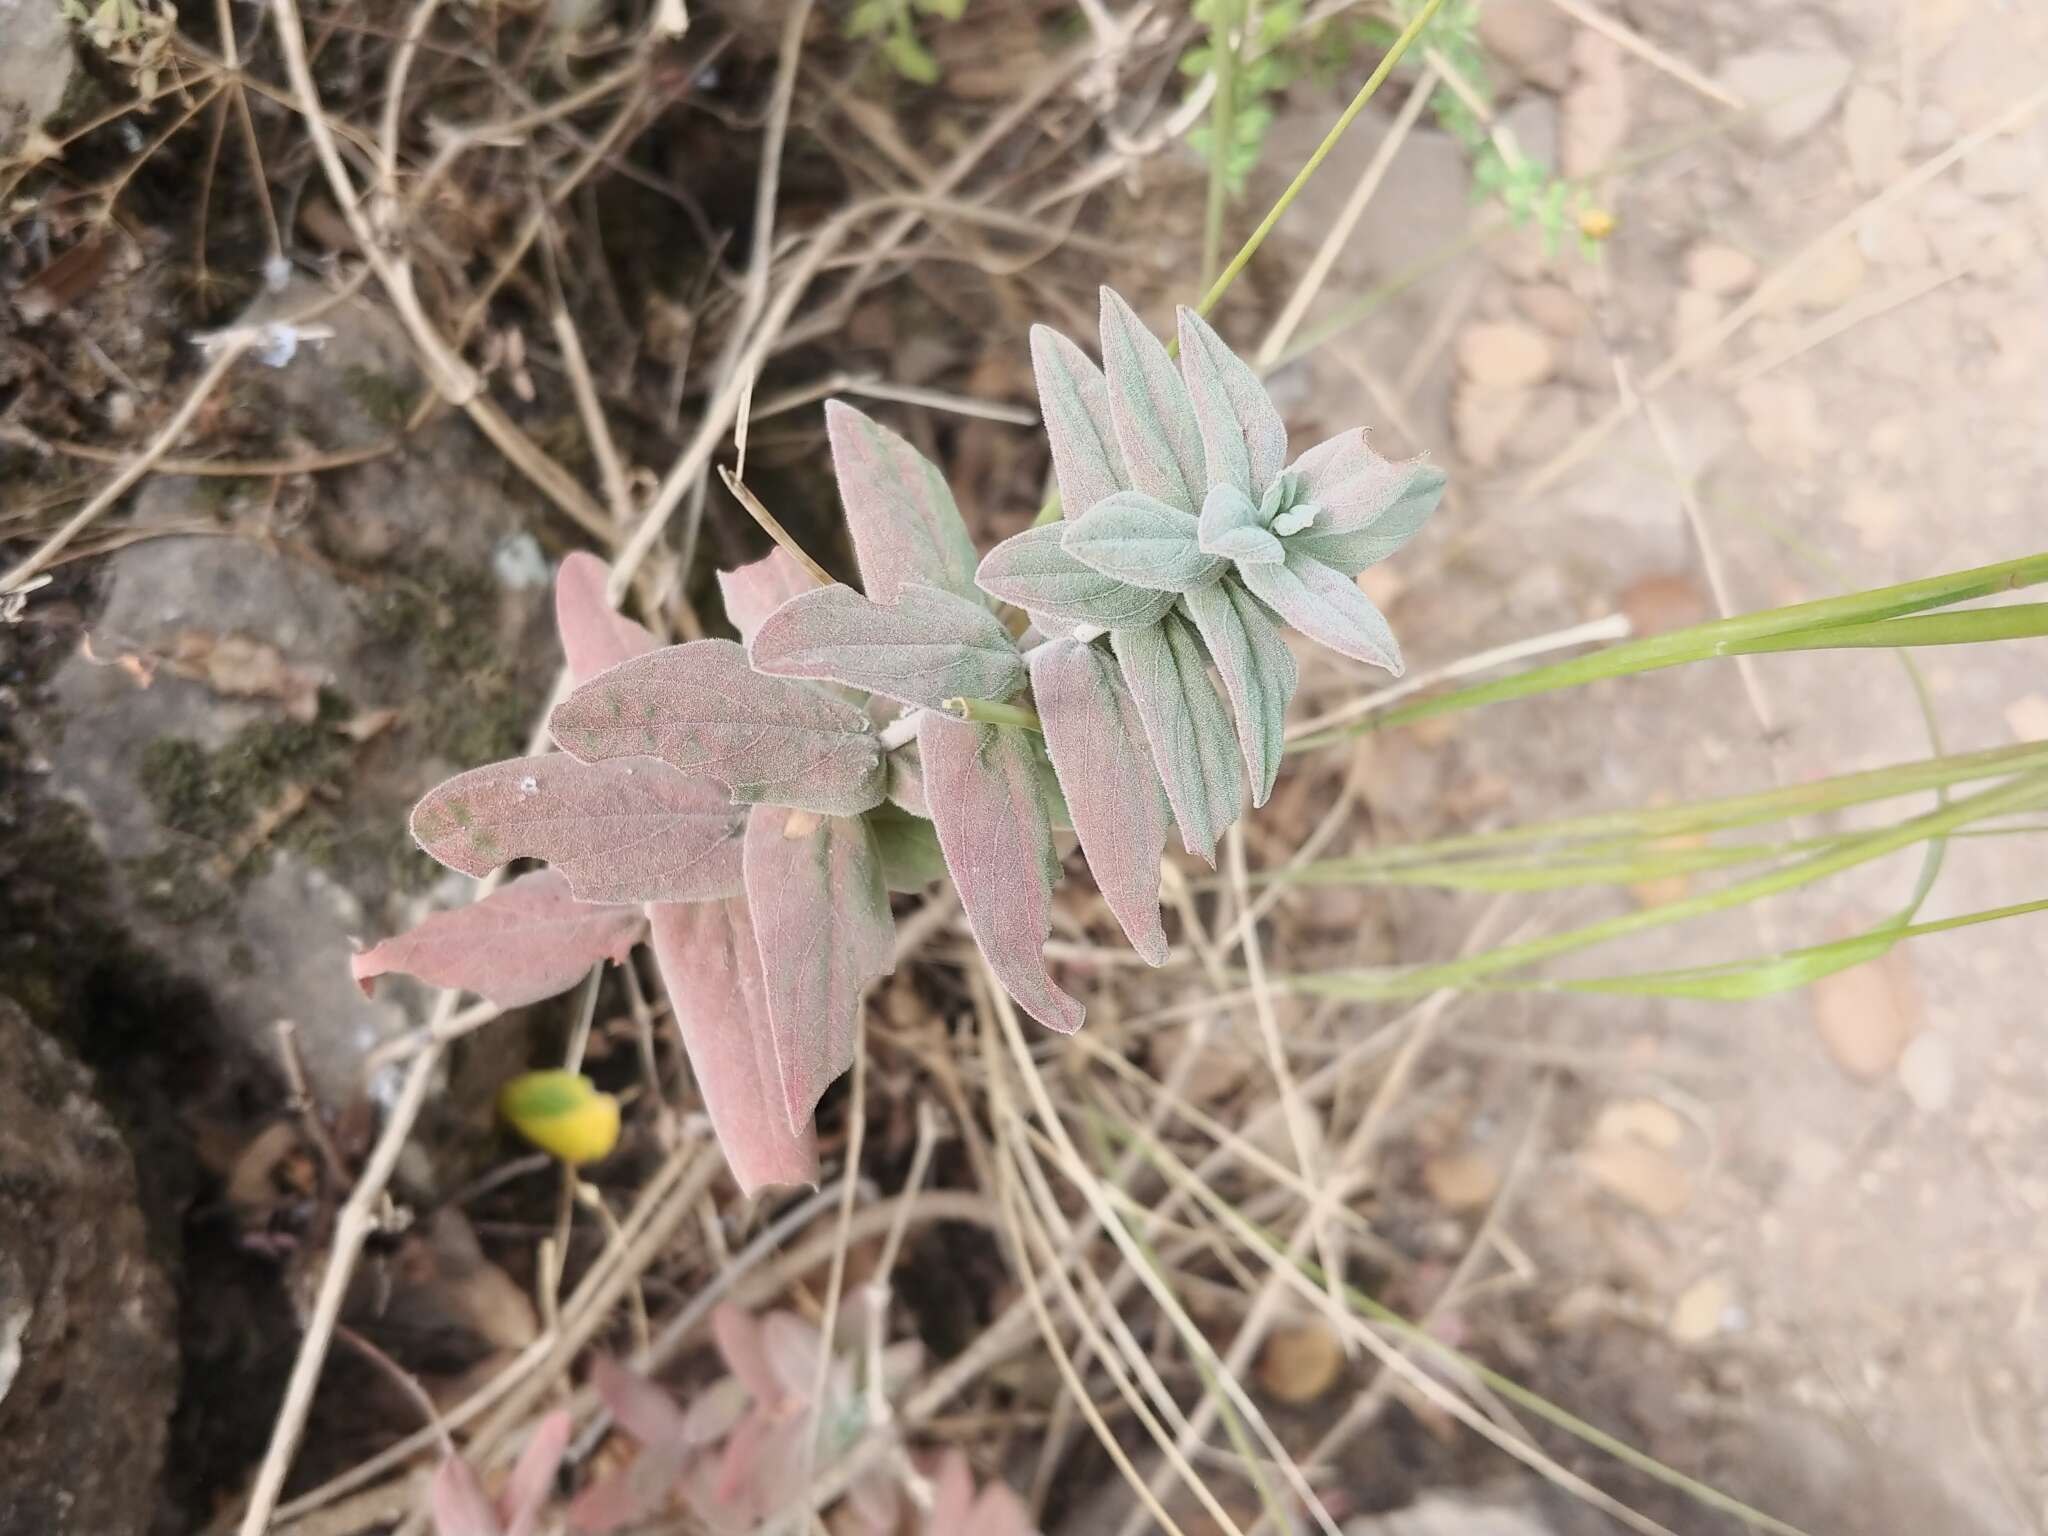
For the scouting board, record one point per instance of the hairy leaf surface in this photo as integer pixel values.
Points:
(632, 829)
(904, 521)
(1258, 672)
(1244, 441)
(821, 917)
(1148, 403)
(711, 967)
(1187, 728)
(991, 819)
(1073, 400)
(1034, 572)
(528, 939)
(595, 635)
(1371, 506)
(1144, 542)
(1327, 606)
(926, 648)
(759, 588)
(701, 708)
(1118, 806)
(909, 845)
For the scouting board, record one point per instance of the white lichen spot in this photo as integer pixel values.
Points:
(518, 562)
(529, 785)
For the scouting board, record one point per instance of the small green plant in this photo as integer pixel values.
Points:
(893, 26)
(1254, 58)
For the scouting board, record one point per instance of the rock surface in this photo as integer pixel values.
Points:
(35, 67)
(88, 1369)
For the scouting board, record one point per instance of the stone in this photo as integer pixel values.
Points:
(1782, 420)
(1722, 270)
(1596, 109)
(1640, 1175)
(1531, 38)
(1866, 1014)
(1506, 355)
(1300, 1362)
(1532, 124)
(1927, 1072)
(1483, 419)
(1874, 133)
(1552, 307)
(1826, 282)
(1464, 1180)
(1439, 1513)
(35, 68)
(1791, 89)
(1701, 1310)
(2027, 717)
(88, 1362)
(1694, 312)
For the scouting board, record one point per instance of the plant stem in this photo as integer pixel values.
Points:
(771, 526)
(1223, 42)
(988, 712)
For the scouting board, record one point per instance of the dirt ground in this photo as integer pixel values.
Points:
(1796, 1248)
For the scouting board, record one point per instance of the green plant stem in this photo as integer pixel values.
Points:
(1222, 134)
(2026, 792)
(1851, 621)
(988, 712)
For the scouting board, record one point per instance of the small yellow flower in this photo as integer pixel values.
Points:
(562, 1113)
(1596, 223)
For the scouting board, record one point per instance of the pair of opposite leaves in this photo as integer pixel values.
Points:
(816, 855)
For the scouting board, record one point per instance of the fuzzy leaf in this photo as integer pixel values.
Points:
(1370, 506)
(1119, 810)
(1233, 527)
(1142, 541)
(986, 803)
(711, 966)
(821, 916)
(930, 646)
(1327, 606)
(909, 846)
(742, 1343)
(533, 1475)
(906, 781)
(595, 635)
(756, 590)
(459, 1504)
(639, 1489)
(952, 1495)
(633, 829)
(700, 707)
(1034, 572)
(1073, 399)
(1187, 728)
(528, 939)
(1244, 441)
(1155, 421)
(1258, 674)
(563, 1114)
(999, 1512)
(905, 524)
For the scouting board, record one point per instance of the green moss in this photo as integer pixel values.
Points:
(386, 399)
(441, 614)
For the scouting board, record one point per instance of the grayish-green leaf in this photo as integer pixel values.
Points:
(1244, 441)
(1143, 541)
(1296, 518)
(1232, 528)
(990, 813)
(1327, 606)
(905, 782)
(925, 648)
(701, 708)
(1034, 572)
(909, 846)
(1119, 810)
(1370, 506)
(1073, 399)
(1187, 728)
(905, 524)
(1148, 402)
(1258, 674)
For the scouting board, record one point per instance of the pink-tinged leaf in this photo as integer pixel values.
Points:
(1370, 506)
(533, 1475)
(1327, 606)
(712, 968)
(642, 1408)
(983, 784)
(1258, 673)
(876, 1500)
(928, 647)
(716, 1410)
(459, 1504)
(821, 916)
(1244, 441)
(595, 635)
(793, 1349)
(1155, 420)
(632, 829)
(904, 521)
(528, 939)
(999, 1512)
(952, 1496)
(743, 1345)
(754, 591)
(1033, 570)
(1186, 727)
(700, 707)
(906, 781)
(1098, 749)
(739, 1465)
(1073, 399)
